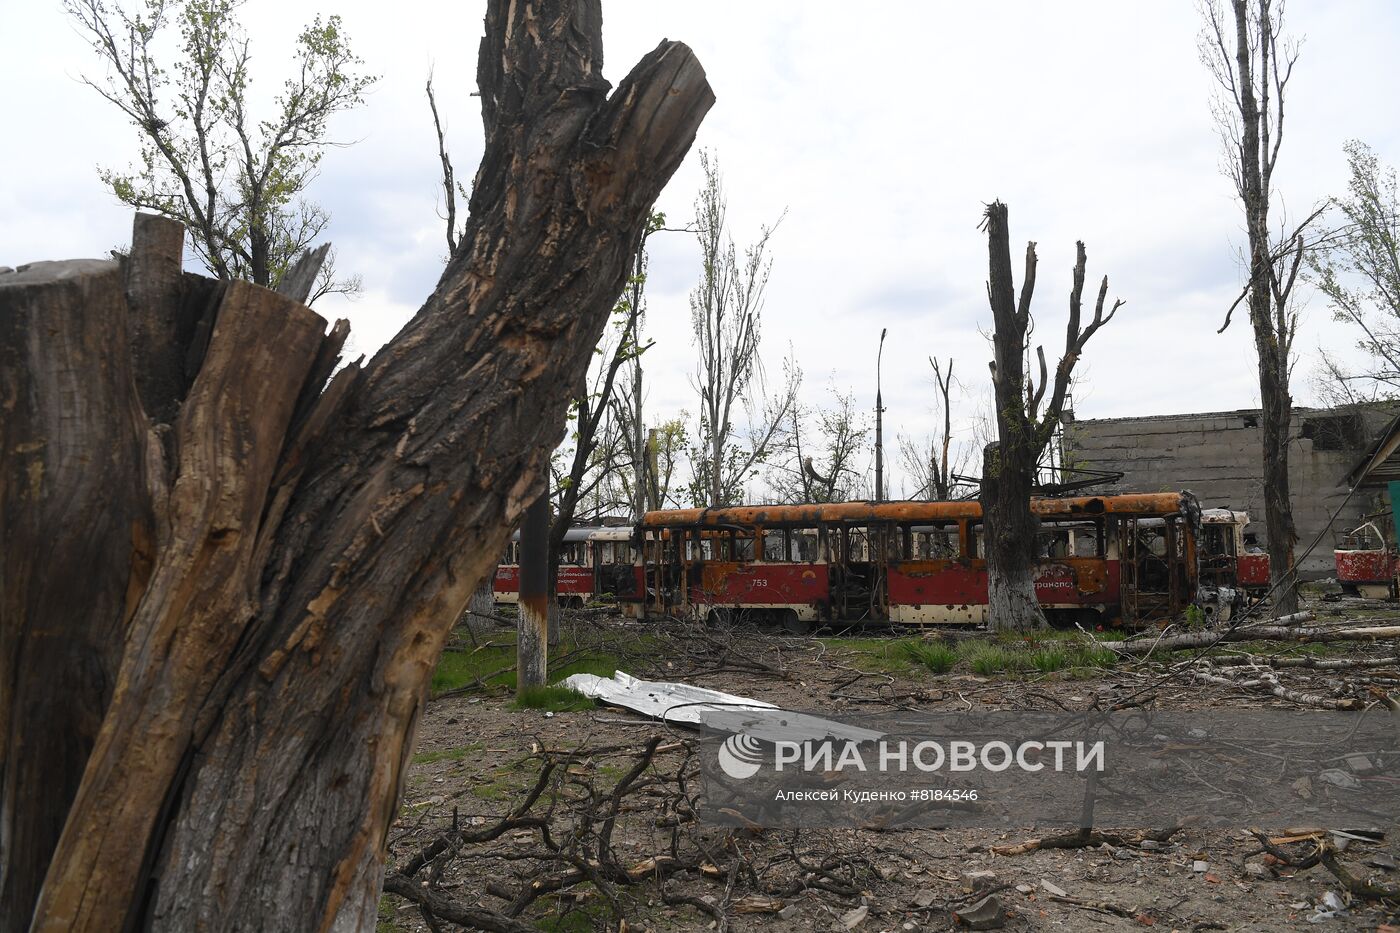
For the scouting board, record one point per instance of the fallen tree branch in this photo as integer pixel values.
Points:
(1147, 646)
(1267, 682)
(1086, 838)
(1106, 907)
(1311, 663)
(1361, 887)
(477, 918)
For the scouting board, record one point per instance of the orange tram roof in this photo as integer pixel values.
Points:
(1151, 505)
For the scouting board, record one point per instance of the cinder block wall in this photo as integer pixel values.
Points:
(1218, 456)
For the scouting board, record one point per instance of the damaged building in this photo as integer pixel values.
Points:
(1217, 456)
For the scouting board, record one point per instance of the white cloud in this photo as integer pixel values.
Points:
(881, 129)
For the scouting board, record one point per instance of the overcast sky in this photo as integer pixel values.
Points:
(882, 129)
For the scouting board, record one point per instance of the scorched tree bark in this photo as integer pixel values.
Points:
(1023, 427)
(229, 568)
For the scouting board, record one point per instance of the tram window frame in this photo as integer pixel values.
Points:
(924, 539)
(795, 550)
(742, 548)
(780, 551)
(1050, 534)
(976, 536)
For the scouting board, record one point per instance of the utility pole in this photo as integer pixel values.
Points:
(879, 425)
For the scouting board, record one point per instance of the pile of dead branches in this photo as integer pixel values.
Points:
(579, 841)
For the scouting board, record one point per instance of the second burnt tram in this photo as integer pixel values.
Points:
(1124, 559)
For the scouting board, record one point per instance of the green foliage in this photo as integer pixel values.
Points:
(935, 655)
(495, 664)
(1049, 660)
(552, 697)
(179, 71)
(457, 753)
(1357, 269)
(1092, 656)
(989, 659)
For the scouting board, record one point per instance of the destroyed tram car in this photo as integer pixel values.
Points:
(1104, 561)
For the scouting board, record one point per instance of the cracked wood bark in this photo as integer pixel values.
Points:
(268, 574)
(1272, 336)
(1023, 428)
(1008, 465)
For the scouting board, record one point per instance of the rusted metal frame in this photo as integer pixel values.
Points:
(685, 570)
(1193, 580)
(1145, 504)
(1127, 570)
(1173, 563)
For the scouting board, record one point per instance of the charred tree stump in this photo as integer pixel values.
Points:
(229, 568)
(1010, 536)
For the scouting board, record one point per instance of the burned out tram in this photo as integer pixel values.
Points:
(1103, 560)
(594, 562)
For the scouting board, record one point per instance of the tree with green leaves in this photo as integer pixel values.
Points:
(1359, 273)
(179, 71)
(726, 309)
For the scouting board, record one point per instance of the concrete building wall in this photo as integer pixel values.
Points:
(1218, 457)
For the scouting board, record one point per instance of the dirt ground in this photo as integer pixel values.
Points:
(478, 755)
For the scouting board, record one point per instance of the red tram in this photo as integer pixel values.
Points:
(1124, 559)
(594, 561)
(1367, 563)
(1227, 560)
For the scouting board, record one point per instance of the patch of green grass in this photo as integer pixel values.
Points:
(498, 789)
(494, 664)
(462, 668)
(988, 660)
(1049, 660)
(967, 647)
(934, 655)
(447, 754)
(881, 655)
(384, 923)
(553, 697)
(1088, 655)
(594, 663)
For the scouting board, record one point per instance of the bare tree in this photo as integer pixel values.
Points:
(209, 726)
(1252, 63)
(929, 462)
(233, 179)
(451, 187)
(593, 452)
(726, 310)
(1359, 273)
(1024, 428)
(628, 401)
(822, 452)
(662, 451)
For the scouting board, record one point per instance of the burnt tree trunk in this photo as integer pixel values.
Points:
(228, 573)
(1010, 537)
(1009, 466)
(1278, 500)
